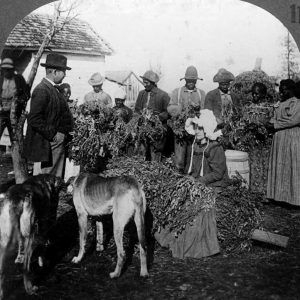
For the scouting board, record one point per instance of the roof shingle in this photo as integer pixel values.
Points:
(76, 36)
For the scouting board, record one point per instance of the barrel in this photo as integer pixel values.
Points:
(237, 161)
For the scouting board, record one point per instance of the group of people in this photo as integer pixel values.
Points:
(50, 122)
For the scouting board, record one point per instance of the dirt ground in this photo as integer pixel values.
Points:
(267, 272)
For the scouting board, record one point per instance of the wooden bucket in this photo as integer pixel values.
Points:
(238, 161)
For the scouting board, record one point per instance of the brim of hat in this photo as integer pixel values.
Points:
(191, 78)
(92, 83)
(55, 66)
(223, 80)
(6, 66)
(148, 79)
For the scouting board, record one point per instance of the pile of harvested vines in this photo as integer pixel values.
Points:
(238, 214)
(175, 199)
(101, 131)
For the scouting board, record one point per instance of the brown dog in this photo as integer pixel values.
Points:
(28, 211)
(122, 196)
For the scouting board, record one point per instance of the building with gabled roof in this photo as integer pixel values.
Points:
(76, 37)
(129, 80)
(84, 48)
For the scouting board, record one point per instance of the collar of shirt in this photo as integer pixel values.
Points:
(153, 91)
(50, 81)
(223, 94)
(185, 89)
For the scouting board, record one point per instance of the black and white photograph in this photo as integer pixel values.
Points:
(150, 149)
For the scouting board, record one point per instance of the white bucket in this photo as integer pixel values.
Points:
(238, 161)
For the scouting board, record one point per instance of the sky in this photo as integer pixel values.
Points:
(169, 35)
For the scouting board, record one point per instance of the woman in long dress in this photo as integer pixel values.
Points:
(207, 164)
(284, 164)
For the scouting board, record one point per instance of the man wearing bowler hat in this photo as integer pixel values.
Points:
(12, 85)
(186, 96)
(155, 100)
(49, 120)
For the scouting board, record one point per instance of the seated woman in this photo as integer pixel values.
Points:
(206, 163)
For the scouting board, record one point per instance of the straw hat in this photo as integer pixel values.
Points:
(96, 79)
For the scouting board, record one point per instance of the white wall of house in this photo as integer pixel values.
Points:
(83, 66)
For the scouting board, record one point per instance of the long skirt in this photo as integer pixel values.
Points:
(197, 240)
(284, 167)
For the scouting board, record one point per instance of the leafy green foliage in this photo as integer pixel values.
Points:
(238, 214)
(177, 123)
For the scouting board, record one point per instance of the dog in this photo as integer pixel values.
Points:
(28, 212)
(124, 198)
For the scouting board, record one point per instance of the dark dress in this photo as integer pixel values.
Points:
(200, 238)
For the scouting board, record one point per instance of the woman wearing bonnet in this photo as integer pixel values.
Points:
(206, 163)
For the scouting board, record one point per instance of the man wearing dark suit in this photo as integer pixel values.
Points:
(155, 100)
(221, 100)
(12, 85)
(49, 120)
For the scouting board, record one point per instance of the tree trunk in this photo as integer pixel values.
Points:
(17, 143)
(37, 59)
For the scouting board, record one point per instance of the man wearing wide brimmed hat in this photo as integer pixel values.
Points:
(221, 100)
(97, 95)
(155, 101)
(12, 85)
(187, 96)
(49, 120)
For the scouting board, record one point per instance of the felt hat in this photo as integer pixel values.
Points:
(223, 76)
(7, 63)
(151, 76)
(207, 121)
(191, 73)
(56, 61)
(120, 94)
(96, 79)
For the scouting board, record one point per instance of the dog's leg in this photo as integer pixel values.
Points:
(30, 289)
(82, 222)
(99, 236)
(8, 234)
(118, 236)
(140, 227)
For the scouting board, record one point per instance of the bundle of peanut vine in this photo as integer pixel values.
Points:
(238, 214)
(174, 200)
(100, 132)
(177, 123)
